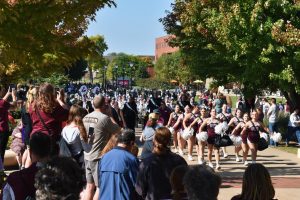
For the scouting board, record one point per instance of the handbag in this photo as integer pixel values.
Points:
(222, 141)
(262, 144)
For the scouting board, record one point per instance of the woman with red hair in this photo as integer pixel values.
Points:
(48, 112)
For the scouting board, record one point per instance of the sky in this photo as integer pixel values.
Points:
(132, 26)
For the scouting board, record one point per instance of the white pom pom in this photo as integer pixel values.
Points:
(202, 136)
(218, 129)
(237, 140)
(224, 126)
(264, 135)
(171, 130)
(187, 133)
(276, 137)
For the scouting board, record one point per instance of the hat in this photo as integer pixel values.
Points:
(153, 116)
(156, 111)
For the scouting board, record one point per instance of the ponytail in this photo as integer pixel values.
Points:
(78, 121)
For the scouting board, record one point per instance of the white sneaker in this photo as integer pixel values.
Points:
(246, 163)
(225, 155)
(210, 165)
(175, 150)
(180, 152)
(218, 167)
(253, 161)
(190, 158)
(237, 159)
(200, 161)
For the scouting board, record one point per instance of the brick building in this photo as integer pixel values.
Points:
(162, 46)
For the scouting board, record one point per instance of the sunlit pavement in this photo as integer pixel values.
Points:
(284, 169)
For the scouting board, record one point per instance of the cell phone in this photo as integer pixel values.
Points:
(11, 87)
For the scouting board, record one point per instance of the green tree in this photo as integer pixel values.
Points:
(172, 67)
(129, 65)
(253, 42)
(37, 37)
(95, 58)
(77, 70)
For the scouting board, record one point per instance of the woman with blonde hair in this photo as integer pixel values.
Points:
(27, 124)
(155, 169)
(74, 132)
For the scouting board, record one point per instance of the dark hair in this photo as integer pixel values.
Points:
(257, 183)
(202, 183)
(176, 181)
(127, 136)
(40, 144)
(61, 178)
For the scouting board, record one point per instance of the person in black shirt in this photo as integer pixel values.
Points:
(130, 113)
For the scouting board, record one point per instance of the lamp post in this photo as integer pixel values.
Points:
(131, 65)
(104, 77)
(123, 71)
(116, 75)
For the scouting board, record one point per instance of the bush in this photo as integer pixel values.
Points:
(151, 83)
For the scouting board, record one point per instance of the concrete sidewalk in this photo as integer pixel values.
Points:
(283, 167)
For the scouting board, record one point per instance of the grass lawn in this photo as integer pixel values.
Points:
(290, 149)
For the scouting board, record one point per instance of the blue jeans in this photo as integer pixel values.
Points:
(298, 134)
(273, 128)
(291, 132)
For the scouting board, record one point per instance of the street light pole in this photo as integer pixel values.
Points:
(123, 76)
(105, 84)
(131, 65)
(116, 75)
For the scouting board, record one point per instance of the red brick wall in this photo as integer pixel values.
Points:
(162, 47)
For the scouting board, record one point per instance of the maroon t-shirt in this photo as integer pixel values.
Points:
(52, 120)
(4, 106)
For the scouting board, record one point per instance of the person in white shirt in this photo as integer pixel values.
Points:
(272, 115)
(294, 126)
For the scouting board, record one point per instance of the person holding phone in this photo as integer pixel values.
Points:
(4, 107)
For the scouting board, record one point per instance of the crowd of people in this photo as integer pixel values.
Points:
(81, 144)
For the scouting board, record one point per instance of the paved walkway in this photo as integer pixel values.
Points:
(283, 167)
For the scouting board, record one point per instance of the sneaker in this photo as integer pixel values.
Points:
(237, 159)
(218, 167)
(225, 155)
(210, 165)
(175, 150)
(200, 161)
(246, 163)
(253, 161)
(180, 152)
(190, 158)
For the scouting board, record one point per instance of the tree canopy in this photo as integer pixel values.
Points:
(38, 37)
(253, 42)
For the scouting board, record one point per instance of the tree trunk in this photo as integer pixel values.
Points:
(293, 99)
(91, 75)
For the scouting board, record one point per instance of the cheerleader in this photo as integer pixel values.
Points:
(237, 132)
(210, 124)
(252, 128)
(224, 116)
(201, 144)
(187, 121)
(172, 120)
(179, 126)
(232, 124)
